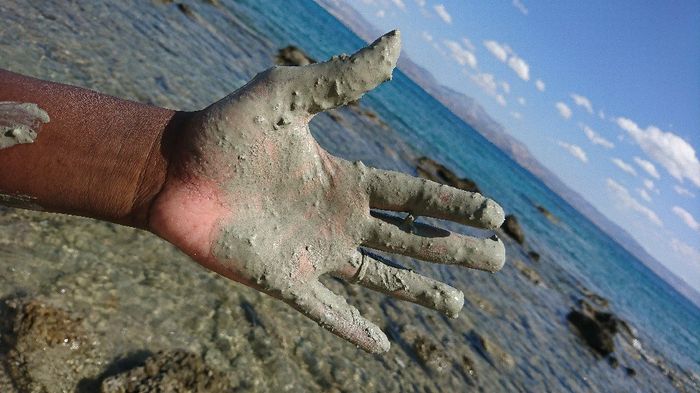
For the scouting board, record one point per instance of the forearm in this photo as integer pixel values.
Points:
(98, 156)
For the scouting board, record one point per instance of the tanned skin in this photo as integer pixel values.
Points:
(243, 188)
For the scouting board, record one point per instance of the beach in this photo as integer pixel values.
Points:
(113, 297)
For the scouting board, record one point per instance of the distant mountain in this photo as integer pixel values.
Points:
(467, 109)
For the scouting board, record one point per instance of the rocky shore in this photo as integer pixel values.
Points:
(87, 306)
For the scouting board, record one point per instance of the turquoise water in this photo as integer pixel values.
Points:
(662, 315)
(143, 295)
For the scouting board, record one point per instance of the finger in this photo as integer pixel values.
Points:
(333, 313)
(401, 192)
(403, 284)
(454, 249)
(344, 79)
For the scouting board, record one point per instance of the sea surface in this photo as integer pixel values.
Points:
(128, 282)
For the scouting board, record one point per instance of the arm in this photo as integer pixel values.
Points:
(243, 188)
(96, 156)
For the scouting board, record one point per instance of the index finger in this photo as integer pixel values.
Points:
(397, 191)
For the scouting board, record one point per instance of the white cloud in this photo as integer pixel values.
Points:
(520, 67)
(686, 217)
(505, 86)
(505, 54)
(564, 110)
(381, 14)
(595, 138)
(668, 149)
(497, 50)
(601, 114)
(427, 37)
(400, 4)
(583, 102)
(683, 191)
(501, 100)
(468, 44)
(461, 54)
(539, 85)
(487, 82)
(624, 166)
(648, 167)
(644, 194)
(520, 6)
(574, 150)
(421, 3)
(684, 249)
(443, 14)
(627, 201)
(649, 184)
(522, 101)
(516, 115)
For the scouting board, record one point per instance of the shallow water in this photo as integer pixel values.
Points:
(137, 293)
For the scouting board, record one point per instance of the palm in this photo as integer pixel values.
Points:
(255, 198)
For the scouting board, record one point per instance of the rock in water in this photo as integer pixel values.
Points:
(432, 170)
(596, 327)
(169, 371)
(535, 256)
(529, 273)
(430, 354)
(547, 214)
(49, 350)
(491, 351)
(293, 56)
(512, 228)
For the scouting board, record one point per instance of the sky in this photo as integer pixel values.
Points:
(606, 94)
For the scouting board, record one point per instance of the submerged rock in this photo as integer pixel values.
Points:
(512, 228)
(547, 214)
(491, 351)
(535, 256)
(293, 56)
(432, 170)
(48, 349)
(430, 354)
(528, 272)
(596, 327)
(169, 371)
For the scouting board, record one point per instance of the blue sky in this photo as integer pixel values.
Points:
(604, 93)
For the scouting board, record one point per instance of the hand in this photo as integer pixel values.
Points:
(252, 196)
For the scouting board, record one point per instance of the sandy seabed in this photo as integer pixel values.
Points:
(117, 296)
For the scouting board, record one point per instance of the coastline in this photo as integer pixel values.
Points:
(136, 295)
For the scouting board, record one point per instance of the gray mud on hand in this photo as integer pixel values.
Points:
(139, 294)
(20, 122)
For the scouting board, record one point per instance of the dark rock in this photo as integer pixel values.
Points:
(630, 372)
(490, 351)
(596, 327)
(534, 256)
(186, 9)
(469, 367)
(512, 228)
(430, 354)
(169, 371)
(293, 56)
(528, 272)
(547, 214)
(335, 116)
(432, 170)
(595, 298)
(48, 349)
(372, 116)
(613, 362)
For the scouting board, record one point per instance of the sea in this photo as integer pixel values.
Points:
(190, 53)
